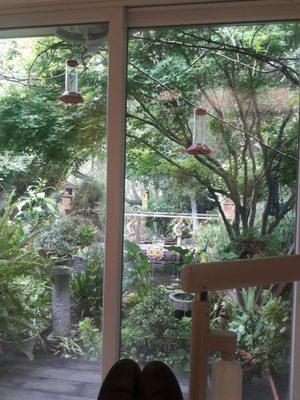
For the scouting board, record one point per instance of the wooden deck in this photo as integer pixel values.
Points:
(64, 379)
(53, 379)
(49, 379)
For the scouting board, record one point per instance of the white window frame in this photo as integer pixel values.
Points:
(122, 15)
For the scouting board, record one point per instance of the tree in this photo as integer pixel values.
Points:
(55, 139)
(233, 72)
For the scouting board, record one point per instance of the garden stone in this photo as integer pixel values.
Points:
(61, 301)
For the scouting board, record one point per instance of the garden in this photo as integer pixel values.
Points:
(52, 195)
(211, 171)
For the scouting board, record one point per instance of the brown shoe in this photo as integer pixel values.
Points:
(121, 382)
(157, 382)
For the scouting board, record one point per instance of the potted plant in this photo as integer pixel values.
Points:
(25, 314)
(262, 325)
(64, 243)
(19, 317)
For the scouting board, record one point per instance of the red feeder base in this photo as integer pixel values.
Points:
(71, 98)
(198, 149)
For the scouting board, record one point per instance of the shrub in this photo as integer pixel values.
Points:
(151, 331)
(86, 344)
(24, 309)
(66, 237)
(137, 270)
(19, 313)
(262, 326)
(86, 235)
(91, 339)
(89, 200)
(87, 286)
(213, 236)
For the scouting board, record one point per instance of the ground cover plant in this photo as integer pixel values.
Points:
(152, 332)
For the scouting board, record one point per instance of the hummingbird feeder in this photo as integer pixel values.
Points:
(199, 133)
(71, 94)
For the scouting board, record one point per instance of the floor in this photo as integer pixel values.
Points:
(54, 379)
(65, 379)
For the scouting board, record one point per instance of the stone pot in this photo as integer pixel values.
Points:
(25, 346)
(179, 299)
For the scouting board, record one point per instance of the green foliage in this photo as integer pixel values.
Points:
(283, 235)
(55, 138)
(236, 83)
(16, 255)
(60, 240)
(86, 235)
(213, 234)
(89, 199)
(152, 332)
(91, 339)
(12, 234)
(24, 300)
(252, 244)
(13, 170)
(65, 238)
(187, 255)
(87, 286)
(35, 207)
(137, 270)
(68, 348)
(86, 344)
(34, 305)
(35, 294)
(262, 326)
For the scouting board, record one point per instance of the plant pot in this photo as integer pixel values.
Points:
(25, 346)
(248, 364)
(179, 299)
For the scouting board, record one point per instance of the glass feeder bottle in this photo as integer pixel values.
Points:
(71, 94)
(199, 126)
(199, 133)
(71, 76)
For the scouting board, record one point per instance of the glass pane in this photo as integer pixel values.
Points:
(211, 165)
(52, 205)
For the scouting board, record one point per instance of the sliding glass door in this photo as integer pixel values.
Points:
(211, 173)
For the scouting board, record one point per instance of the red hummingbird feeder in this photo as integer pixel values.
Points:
(199, 134)
(71, 94)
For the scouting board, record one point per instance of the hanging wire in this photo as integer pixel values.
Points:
(212, 115)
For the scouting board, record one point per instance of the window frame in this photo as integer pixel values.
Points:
(122, 16)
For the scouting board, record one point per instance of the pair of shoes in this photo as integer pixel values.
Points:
(126, 381)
